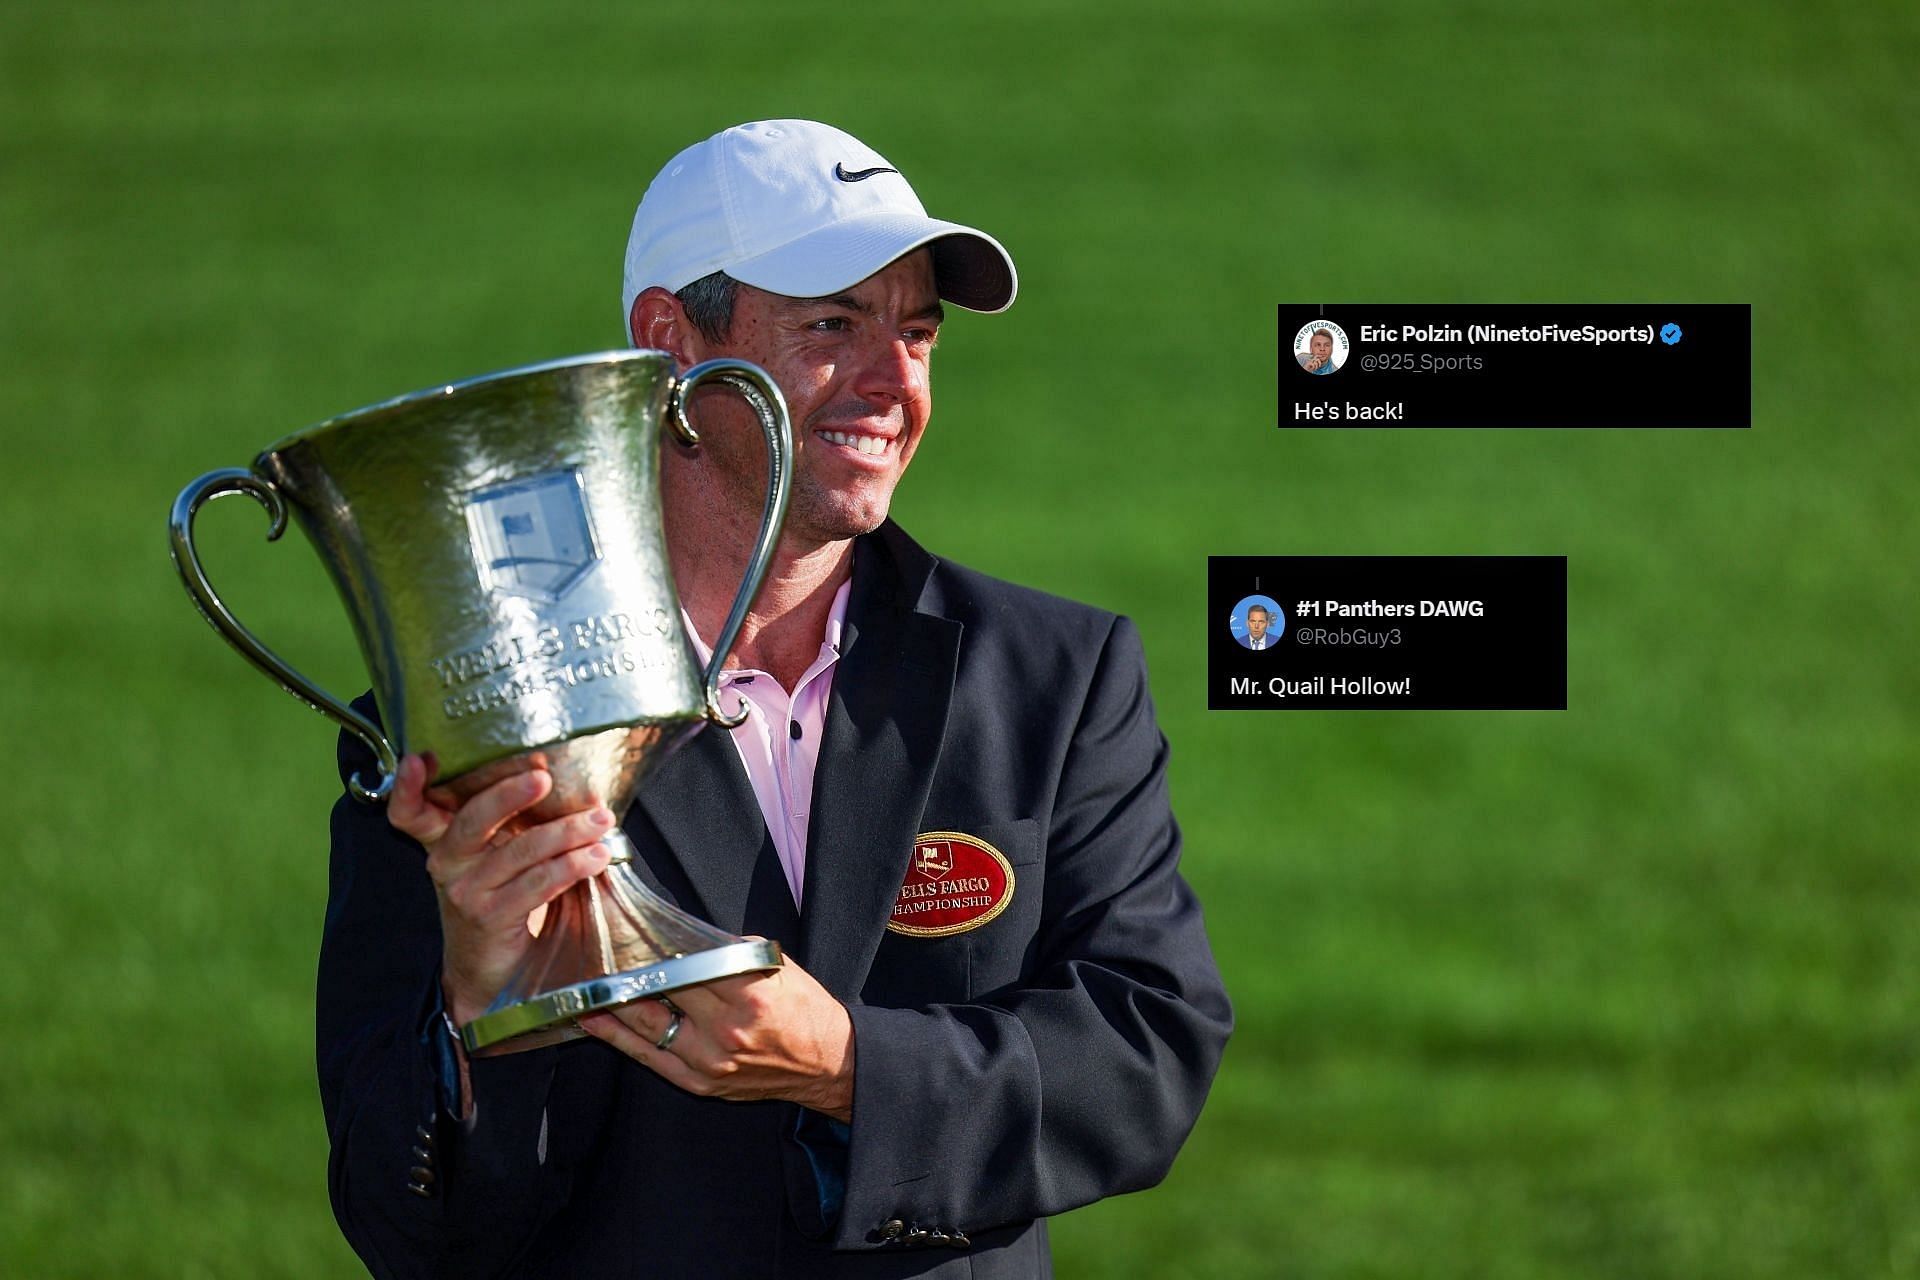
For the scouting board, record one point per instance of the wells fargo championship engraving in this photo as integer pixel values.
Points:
(562, 656)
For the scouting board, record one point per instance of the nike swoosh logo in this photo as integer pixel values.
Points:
(859, 175)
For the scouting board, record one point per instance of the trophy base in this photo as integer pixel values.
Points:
(605, 942)
(550, 1018)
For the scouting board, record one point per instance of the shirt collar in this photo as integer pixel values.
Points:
(829, 640)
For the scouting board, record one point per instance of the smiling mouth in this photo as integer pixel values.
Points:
(873, 446)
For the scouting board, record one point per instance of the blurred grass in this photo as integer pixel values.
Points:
(1624, 991)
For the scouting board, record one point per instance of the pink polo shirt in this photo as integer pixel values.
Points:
(780, 742)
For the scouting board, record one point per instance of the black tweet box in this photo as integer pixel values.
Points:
(1388, 633)
(1668, 365)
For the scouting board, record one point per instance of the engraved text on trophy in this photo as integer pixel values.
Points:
(509, 668)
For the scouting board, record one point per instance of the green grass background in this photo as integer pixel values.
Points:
(1624, 991)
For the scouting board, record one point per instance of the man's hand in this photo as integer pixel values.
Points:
(1314, 362)
(493, 872)
(764, 1035)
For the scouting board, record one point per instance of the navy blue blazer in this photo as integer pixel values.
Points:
(1052, 1056)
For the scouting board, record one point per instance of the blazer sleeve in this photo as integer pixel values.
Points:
(489, 1181)
(1084, 1079)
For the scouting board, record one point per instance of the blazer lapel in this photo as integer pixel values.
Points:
(700, 801)
(885, 720)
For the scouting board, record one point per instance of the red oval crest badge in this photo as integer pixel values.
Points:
(955, 882)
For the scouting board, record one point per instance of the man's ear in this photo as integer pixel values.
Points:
(657, 321)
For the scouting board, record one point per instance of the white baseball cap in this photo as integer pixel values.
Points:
(801, 209)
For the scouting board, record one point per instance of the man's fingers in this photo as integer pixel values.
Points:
(690, 1061)
(649, 1019)
(545, 881)
(537, 844)
(779, 1049)
(711, 1001)
(606, 1027)
(481, 817)
(408, 808)
(724, 997)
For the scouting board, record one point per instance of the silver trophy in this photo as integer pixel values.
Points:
(499, 548)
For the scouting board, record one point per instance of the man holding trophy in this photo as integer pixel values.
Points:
(944, 800)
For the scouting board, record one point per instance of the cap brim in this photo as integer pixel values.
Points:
(970, 267)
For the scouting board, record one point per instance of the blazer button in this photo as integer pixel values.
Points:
(420, 1189)
(422, 1175)
(423, 1155)
(891, 1229)
(919, 1235)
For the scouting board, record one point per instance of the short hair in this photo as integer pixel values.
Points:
(708, 303)
(1322, 333)
(1259, 608)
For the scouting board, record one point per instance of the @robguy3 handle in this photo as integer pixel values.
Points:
(219, 484)
(759, 391)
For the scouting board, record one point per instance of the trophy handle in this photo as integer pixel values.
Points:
(218, 484)
(752, 382)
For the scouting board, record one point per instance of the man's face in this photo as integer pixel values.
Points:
(1257, 622)
(854, 370)
(1322, 347)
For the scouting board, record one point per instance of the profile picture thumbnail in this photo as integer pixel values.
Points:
(1258, 623)
(1320, 347)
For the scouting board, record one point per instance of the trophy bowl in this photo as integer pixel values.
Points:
(499, 548)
